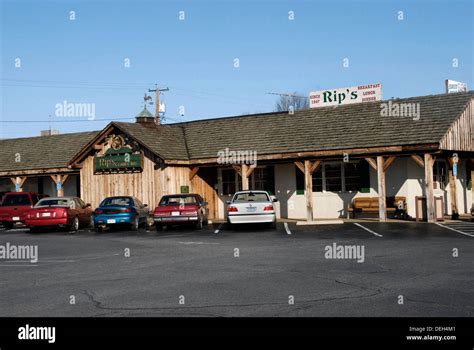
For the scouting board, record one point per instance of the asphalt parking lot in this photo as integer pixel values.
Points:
(408, 269)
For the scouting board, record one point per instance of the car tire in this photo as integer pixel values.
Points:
(198, 224)
(34, 230)
(98, 229)
(74, 227)
(159, 227)
(135, 224)
(273, 225)
(8, 225)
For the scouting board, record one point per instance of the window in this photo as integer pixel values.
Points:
(440, 174)
(16, 199)
(178, 200)
(120, 201)
(229, 181)
(337, 177)
(317, 179)
(262, 178)
(251, 197)
(333, 177)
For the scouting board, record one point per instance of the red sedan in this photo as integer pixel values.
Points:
(63, 212)
(179, 209)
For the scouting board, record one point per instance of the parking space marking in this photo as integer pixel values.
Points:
(368, 230)
(453, 229)
(287, 229)
(198, 243)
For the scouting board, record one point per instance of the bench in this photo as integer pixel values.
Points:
(371, 205)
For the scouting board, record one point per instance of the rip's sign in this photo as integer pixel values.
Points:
(344, 96)
(122, 160)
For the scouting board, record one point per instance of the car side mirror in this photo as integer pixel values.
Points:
(204, 203)
(88, 205)
(228, 202)
(274, 200)
(145, 205)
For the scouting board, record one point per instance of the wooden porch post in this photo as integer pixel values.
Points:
(453, 190)
(430, 203)
(308, 182)
(381, 189)
(245, 179)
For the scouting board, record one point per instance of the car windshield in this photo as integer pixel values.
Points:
(16, 199)
(177, 200)
(117, 201)
(53, 203)
(258, 197)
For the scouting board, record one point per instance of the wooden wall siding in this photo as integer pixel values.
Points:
(460, 136)
(148, 186)
(203, 183)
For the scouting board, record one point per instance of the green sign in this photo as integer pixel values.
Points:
(119, 160)
(184, 189)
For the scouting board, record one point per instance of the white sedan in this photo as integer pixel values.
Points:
(248, 207)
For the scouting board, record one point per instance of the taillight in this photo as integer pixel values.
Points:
(190, 212)
(64, 213)
(231, 208)
(99, 211)
(268, 208)
(128, 210)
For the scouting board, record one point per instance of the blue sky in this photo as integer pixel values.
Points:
(82, 61)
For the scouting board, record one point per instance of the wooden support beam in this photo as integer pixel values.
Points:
(59, 181)
(300, 166)
(388, 162)
(245, 179)
(18, 181)
(237, 169)
(372, 163)
(453, 190)
(193, 172)
(250, 169)
(429, 191)
(418, 160)
(315, 166)
(308, 181)
(381, 189)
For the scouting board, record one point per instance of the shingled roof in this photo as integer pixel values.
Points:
(41, 152)
(328, 128)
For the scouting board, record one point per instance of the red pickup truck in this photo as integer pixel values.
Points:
(15, 206)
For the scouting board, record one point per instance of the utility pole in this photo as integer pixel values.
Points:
(157, 92)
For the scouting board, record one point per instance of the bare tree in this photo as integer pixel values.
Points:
(293, 101)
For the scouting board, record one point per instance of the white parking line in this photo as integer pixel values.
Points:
(368, 230)
(453, 229)
(287, 229)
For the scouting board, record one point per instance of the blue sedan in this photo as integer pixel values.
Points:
(120, 211)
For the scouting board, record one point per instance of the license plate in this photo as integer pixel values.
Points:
(111, 221)
(16, 218)
(46, 214)
(175, 213)
(251, 209)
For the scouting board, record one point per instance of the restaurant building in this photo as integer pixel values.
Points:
(315, 161)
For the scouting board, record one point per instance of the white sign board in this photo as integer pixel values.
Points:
(162, 108)
(453, 86)
(344, 96)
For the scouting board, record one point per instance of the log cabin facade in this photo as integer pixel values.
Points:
(316, 161)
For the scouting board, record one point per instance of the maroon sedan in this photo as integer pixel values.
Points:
(181, 209)
(63, 212)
